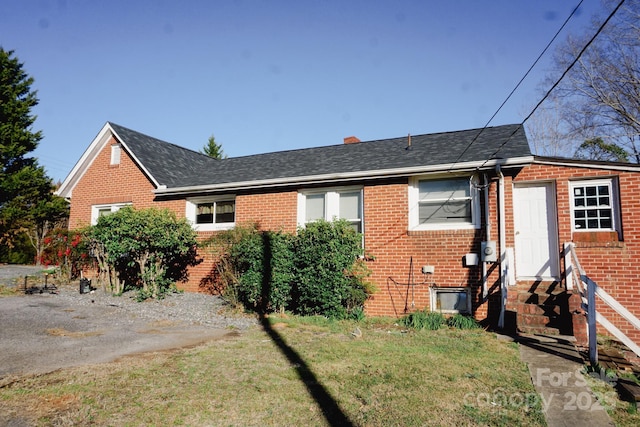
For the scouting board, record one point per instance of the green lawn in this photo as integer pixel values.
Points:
(309, 372)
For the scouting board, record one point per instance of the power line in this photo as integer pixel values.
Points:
(573, 12)
(586, 46)
(566, 71)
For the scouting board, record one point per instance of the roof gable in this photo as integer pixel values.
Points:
(150, 155)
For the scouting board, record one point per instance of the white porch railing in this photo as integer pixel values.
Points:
(589, 289)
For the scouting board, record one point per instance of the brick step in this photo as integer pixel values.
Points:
(537, 322)
(535, 298)
(539, 330)
(539, 309)
(549, 288)
(536, 319)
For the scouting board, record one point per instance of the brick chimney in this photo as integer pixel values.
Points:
(351, 140)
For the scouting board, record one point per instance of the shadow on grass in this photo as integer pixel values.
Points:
(330, 408)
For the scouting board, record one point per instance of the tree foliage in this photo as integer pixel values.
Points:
(213, 149)
(600, 96)
(597, 149)
(27, 203)
(149, 249)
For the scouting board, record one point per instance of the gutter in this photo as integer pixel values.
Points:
(345, 176)
(626, 167)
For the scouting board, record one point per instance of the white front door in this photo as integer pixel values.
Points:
(536, 238)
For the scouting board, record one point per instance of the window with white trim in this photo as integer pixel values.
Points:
(101, 210)
(594, 205)
(329, 204)
(209, 214)
(448, 203)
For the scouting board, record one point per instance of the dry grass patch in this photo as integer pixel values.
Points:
(61, 332)
(310, 372)
(8, 291)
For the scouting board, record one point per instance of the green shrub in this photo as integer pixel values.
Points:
(460, 321)
(326, 279)
(264, 265)
(316, 272)
(147, 248)
(430, 320)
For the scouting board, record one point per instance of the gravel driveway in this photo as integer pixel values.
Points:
(44, 332)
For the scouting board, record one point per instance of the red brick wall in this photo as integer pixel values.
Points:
(103, 183)
(394, 250)
(271, 211)
(609, 261)
(388, 242)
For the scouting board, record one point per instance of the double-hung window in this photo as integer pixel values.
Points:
(101, 210)
(593, 205)
(449, 203)
(208, 214)
(330, 204)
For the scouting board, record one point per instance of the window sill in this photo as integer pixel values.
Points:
(597, 239)
(211, 227)
(469, 231)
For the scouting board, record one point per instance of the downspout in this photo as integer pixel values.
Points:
(503, 243)
(487, 225)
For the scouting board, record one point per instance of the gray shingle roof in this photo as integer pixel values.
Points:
(176, 167)
(168, 164)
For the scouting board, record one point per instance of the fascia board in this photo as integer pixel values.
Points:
(347, 176)
(587, 164)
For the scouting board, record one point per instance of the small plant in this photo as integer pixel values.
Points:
(460, 321)
(602, 373)
(357, 314)
(430, 320)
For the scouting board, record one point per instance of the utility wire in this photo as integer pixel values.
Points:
(546, 95)
(573, 12)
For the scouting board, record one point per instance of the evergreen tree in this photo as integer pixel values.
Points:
(213, 149)
(23, 183)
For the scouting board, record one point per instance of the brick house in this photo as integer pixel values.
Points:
(452, 219)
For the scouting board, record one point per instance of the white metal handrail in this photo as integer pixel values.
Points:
(588, 290)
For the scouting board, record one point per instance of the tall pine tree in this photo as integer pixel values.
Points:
(24, 186)
(213, 149)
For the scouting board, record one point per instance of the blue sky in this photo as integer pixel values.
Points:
(276, 75)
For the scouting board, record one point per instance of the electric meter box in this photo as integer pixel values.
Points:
(488, 251)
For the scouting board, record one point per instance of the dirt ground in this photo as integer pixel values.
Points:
(40, 333)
